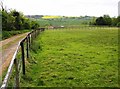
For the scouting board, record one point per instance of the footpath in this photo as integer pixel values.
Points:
(7, 49)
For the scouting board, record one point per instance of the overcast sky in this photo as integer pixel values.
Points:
(64, 7)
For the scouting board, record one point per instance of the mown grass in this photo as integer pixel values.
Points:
(73, 58)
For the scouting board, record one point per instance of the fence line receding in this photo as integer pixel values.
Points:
(17, 64)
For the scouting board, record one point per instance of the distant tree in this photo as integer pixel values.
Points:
(100, 21)
(105, 20)
(18, 19)
(14, 20)
(26, 24)
(108, 20)
(114, 21)
(118, 19)
(34, 25)
(118, 24)
(93, 21)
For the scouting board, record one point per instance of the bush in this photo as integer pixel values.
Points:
(7, 34)
(118, 24)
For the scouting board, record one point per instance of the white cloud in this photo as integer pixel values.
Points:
(65, 7)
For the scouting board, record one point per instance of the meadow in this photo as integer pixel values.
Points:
(73, 57)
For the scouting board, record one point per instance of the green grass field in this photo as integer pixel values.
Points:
(74, 57)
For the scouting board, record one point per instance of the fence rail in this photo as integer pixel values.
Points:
(18, 63)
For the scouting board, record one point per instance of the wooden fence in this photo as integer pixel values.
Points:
(19, 64)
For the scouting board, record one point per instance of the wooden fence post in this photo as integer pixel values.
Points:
(29, 40)
(17, 74)
(35, 33)
(23, 57)
(27, 49)
(39, 31)
(31, 37)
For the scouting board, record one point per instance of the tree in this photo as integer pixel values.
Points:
(34, 25)
(118, 24)
(118, 19)
(105, 20)
(4, 20)
(26, 23)
(114, 21)
(108, 20)
(18, 22)
(10, 22)
(100, 21)
(14, 20)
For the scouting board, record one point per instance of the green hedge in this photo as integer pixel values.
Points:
(7, 34)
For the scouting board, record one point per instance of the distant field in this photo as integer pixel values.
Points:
(74, 57)
(64, 21)
(50, 17)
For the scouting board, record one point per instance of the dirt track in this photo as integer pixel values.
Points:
(8, 48)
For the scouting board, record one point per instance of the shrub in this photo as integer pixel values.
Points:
(118, 24)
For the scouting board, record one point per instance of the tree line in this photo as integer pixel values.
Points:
(106, 20)
(14, 20)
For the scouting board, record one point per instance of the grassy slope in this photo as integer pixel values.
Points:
(74, 57)
(64, 21)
